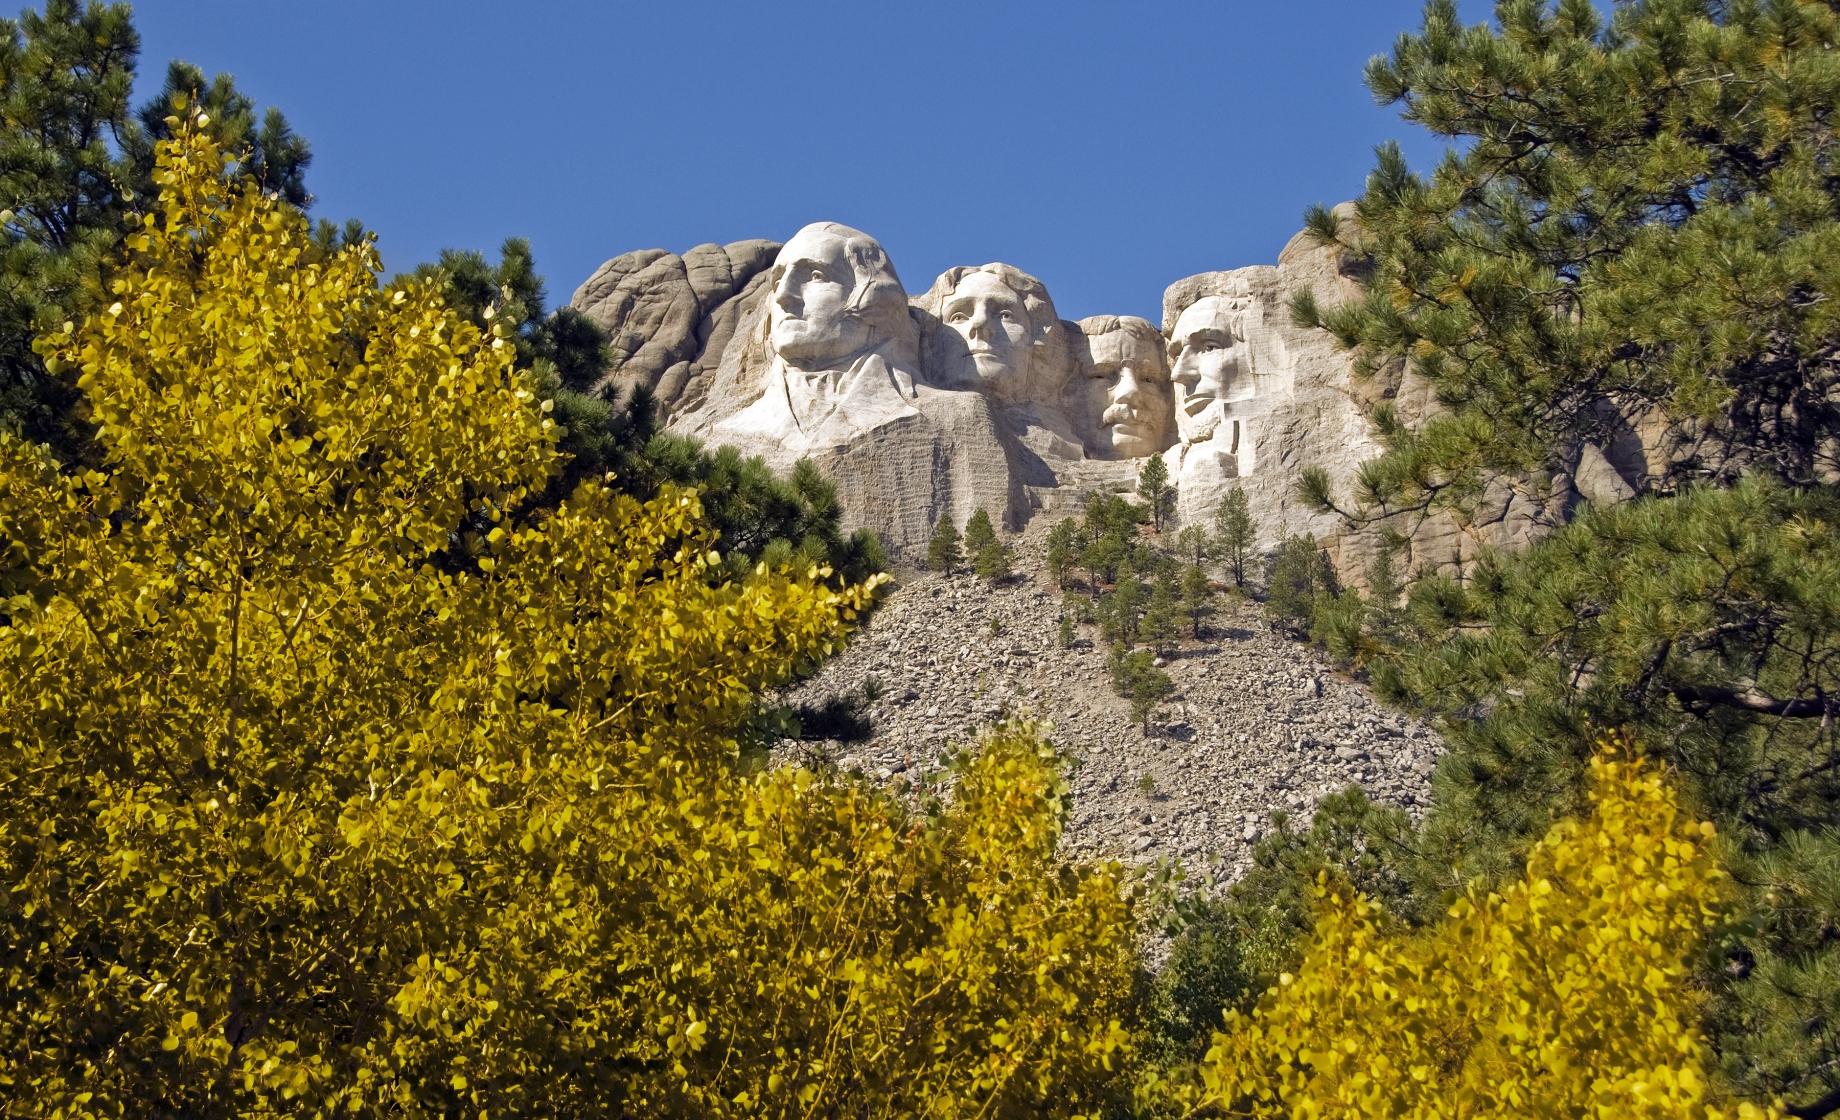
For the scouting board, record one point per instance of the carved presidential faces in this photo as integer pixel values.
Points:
(997, 329)
(1127, 391)
(835, 294)
(995, 326)
(1207, 363)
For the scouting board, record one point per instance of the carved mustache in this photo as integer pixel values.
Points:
(1118, 414)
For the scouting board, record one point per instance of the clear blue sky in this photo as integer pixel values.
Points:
(1109, 148)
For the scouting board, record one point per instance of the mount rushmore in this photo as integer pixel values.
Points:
(977, 394)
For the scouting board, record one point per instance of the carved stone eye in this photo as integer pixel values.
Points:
(1009, 316)
(817, 275)
(957, 317)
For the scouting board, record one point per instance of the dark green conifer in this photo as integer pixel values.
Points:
(942, 551)
(1631, 247)
(1197, 597)
(1153, 487)
(1162, 619)
(1233, 533)
(1136, 678)
(1297, 576)
(1064, 547)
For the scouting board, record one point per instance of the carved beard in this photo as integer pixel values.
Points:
(1202, 426)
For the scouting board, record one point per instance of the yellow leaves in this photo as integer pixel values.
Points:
(431, 815)
(1565, 988)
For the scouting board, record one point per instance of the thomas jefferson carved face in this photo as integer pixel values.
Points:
(1127, 392)
(997, 330)
(1208, 357)
(811, 321)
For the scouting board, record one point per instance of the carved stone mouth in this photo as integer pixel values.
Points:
(1194, 405)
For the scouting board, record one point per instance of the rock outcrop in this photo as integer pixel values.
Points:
(977, 394)
(670, 318)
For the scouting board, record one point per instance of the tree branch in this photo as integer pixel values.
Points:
(1826, 1106)
(1751, 700)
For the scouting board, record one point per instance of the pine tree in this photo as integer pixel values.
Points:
(1554, 278)
(1136, 678)
(979, 533)
(1110, 526)
(992, 562)
(1153, 487)
(1121, 609)
(1383, 591)
(1162, 612)
(1065, 545)
(1101, 558)
(1194, 544)
(1624, 250)
(1233, 533)
(1297, 576)
(1064, 634)
(1197, 597)
(65, 81)
(942, 551)
(989, 556)
(75, 161)
(1108, 515)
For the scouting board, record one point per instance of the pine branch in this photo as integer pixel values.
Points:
(1751, 700)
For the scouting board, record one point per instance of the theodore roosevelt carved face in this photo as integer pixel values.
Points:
(1128, 395)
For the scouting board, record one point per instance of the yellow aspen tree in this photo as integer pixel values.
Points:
(331, 784)
(1565, 993)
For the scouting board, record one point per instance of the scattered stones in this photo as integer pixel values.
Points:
(1261, 723)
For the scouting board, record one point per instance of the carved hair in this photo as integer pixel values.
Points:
(1044, 324)
(1235, 292)
(877, 299)
(1094, 326)
(1047, 341)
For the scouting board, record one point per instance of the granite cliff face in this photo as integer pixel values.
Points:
(977, 394)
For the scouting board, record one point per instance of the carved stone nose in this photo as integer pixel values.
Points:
(979, 324)
(1128, 386)
(785, 292)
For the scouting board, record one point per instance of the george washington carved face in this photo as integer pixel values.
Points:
(834, 295)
